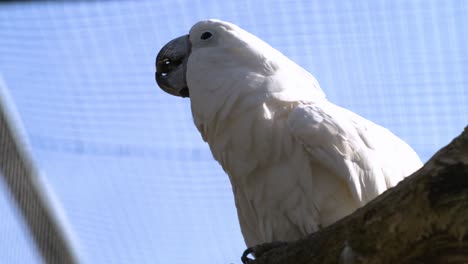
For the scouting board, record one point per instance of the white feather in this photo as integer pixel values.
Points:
(296, 161)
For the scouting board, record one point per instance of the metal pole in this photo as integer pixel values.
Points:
(22, 180)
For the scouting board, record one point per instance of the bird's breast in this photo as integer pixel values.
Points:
(248, 141)
(280, 193)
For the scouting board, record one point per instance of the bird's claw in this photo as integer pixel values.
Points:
(245, 256)
(258, 250)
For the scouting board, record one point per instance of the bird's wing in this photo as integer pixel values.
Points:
(368, 157)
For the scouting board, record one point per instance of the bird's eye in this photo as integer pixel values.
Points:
(206, 35)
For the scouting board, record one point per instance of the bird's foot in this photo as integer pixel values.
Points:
(245, 256)
(258, 250)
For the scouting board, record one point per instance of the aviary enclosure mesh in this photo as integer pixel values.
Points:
(132, 180)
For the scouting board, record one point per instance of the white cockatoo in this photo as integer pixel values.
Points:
(296, 161)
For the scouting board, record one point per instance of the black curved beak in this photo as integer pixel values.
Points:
(171, 66)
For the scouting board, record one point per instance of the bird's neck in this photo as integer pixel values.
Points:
(242, 141)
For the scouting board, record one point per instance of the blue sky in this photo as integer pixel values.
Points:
(135, 179)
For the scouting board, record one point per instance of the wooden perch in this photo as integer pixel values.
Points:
(424, 219)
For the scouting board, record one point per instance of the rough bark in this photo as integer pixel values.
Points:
(424, 219)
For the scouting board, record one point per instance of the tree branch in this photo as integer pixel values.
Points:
(424, 219)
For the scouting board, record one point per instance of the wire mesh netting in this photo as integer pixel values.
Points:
(132, 174)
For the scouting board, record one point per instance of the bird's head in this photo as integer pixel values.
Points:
(211, 46)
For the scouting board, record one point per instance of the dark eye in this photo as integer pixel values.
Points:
(206, 35)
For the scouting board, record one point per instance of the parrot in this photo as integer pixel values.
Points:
(296, 161)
